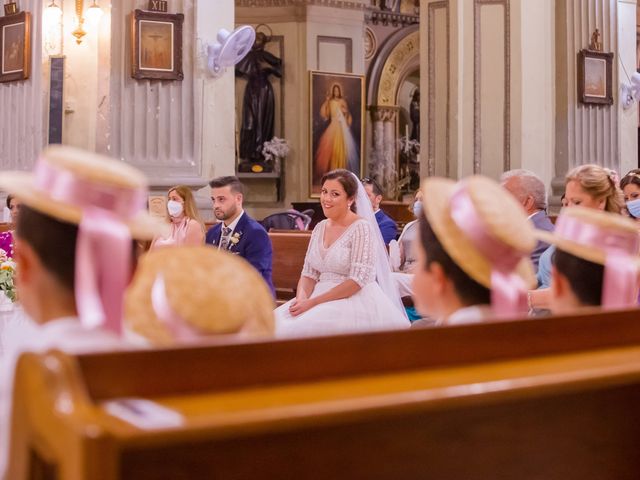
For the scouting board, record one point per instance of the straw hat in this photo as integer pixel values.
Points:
(611, 223)
(502, 216)
(90, 168)
(213, 292)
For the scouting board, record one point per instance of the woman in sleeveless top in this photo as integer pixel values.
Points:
(186, 226)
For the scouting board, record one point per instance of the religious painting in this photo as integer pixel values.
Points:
(336, 125)
(15, 47)
(595, 77)
(156, 40)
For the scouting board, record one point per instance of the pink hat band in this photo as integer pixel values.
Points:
(65, 186)
(508, 290)
(620, 282)
(103, 250)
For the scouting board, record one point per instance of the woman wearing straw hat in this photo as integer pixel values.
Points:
(74, 249)
(176, 296)
(473, 252)
(596, 260)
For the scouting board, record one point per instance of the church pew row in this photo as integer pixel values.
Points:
(289, 250)
(554, 398)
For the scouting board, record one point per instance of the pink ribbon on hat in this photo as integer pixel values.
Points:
(620, 282)
(180, 330)
(508, 290)
(103, 250)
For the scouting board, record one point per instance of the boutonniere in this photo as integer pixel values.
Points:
(235, 238)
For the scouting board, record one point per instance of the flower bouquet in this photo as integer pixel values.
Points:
(273, 150)
(7, 286)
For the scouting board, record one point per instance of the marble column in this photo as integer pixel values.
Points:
(383, 161)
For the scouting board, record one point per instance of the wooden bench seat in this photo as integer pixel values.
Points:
(289, 250)
(554, 398)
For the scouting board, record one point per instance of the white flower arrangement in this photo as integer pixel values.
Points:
(409, 147)
(275, 148)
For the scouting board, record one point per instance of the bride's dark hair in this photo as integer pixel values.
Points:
(347, 180)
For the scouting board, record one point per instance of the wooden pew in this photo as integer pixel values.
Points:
(289, 250)
(555, 398)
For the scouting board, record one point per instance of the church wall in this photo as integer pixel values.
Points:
(501, 86)
(177, 132)
(22, 122)
(316, 37)
(533, 87)
(586, 133)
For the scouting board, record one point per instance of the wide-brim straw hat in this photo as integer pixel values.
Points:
(213, 292)
(502, 216)
(611, 223)
(94, 170)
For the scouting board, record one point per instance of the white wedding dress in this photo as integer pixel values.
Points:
(351, 256)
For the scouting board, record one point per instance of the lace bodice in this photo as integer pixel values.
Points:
(351, 256)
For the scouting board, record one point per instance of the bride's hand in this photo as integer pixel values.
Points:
(298, 307)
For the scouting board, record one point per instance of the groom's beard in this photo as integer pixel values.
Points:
(226, 215)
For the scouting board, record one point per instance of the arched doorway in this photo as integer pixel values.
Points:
(393, 81)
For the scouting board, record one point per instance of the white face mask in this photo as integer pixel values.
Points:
(417, 208)
(634, 208)
(174, 208)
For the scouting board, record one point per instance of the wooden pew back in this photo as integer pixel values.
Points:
(550, 398)
(289, 250)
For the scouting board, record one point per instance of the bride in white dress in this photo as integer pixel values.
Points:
(346, 282)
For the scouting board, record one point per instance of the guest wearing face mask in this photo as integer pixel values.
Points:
(186, 226)
(630, 186)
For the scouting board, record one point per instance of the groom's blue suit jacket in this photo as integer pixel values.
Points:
(253, 245)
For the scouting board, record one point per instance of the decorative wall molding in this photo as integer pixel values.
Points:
(432, 8)
(477, 101)
(344, 4)
(395, 67)
(370, 43)
(383, 114)
(348, 48)
(376, 17)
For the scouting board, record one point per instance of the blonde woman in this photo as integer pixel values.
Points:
(186, 226)
(589, 186)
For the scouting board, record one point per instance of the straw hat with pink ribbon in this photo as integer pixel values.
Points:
(487, 233)
(107, 199)
(183, 294)
(604, 238)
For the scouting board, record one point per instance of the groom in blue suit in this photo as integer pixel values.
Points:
(237, 232)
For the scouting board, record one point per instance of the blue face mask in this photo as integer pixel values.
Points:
(634, 208)
(417, 208)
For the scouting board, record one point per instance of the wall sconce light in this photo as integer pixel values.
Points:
(93, 14)
(52, 29)
(53, 12)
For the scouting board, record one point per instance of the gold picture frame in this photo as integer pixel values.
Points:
(336, 114)
(156, 45)
(595, 77)
(15, 47)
